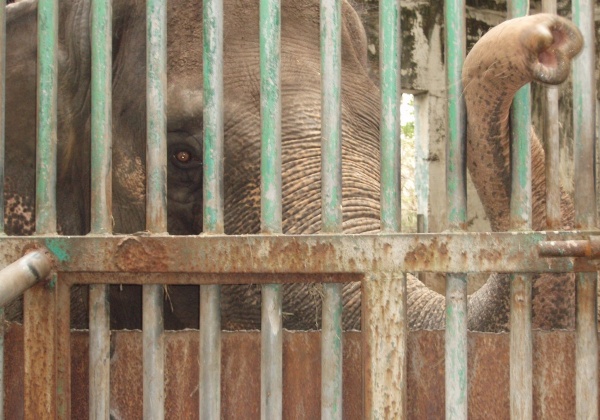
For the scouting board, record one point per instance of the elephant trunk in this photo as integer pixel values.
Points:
(541, 47)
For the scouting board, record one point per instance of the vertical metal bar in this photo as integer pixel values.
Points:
(521, 358)
(389, 44)
(101, 200)
(331, 202)
(63, 350)
(385, 322)
(584, 97)
(456, 284)
(213, 221)
(270, 100)
(40, 301)
(2, 153)
(385, 354)
(551, 136)
(156, 207)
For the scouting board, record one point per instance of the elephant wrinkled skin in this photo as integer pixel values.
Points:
(300, 63)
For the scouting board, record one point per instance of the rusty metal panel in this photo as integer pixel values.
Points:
(553, 375)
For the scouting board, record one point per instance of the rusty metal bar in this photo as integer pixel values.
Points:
(584, 113)
(331, 202)
(385, 324)
(156, 202)
(574, 248)
(328, 254)
(551, 137)
(63, 349)
(39, 305)
(271, 210)
(456, 191)
(213, 220)
(101, 200)
(521, 353)
(23, 274)
(385, 351)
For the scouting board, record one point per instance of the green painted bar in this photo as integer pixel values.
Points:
(584, 115)
(456, 378)
(521, 345)
(271, 210)
(210, 307)
(270, 104)
(101, 199)
(156, 203)
(45, 209)
(331, 201)
(39, 303)
(389, 55)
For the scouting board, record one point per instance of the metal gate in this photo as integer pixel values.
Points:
(379, 261)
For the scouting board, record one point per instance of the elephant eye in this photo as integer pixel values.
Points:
(185, 159)
(183, 156)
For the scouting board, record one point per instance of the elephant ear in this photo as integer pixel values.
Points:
(355, 33)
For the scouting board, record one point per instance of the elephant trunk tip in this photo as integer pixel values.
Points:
(553, 41)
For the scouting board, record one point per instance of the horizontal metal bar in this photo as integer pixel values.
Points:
(575, 248)
(448, 252)
(22, 274)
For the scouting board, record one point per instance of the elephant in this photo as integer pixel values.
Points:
(301, 98)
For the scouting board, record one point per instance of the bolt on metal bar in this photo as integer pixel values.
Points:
(156, 204)
(551, 140)
(584, 113)
(385, 325)
(101, 199)
(521, 344)
(456, 378)
(39, 305)
(271, 209)
(331, 193)
(213, 220)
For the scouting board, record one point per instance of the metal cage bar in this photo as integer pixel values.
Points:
(584, 97)
(213, 221)
(456, 284)
(101, 199)
(2, 155)
(331, 201)
(39, 303)
(521, 344)
(384, 298)
(271, 210)
(156, 203)
(551, 137)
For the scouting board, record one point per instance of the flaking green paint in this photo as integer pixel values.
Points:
(60, 249)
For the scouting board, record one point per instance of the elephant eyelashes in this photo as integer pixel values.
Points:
(185, 159)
